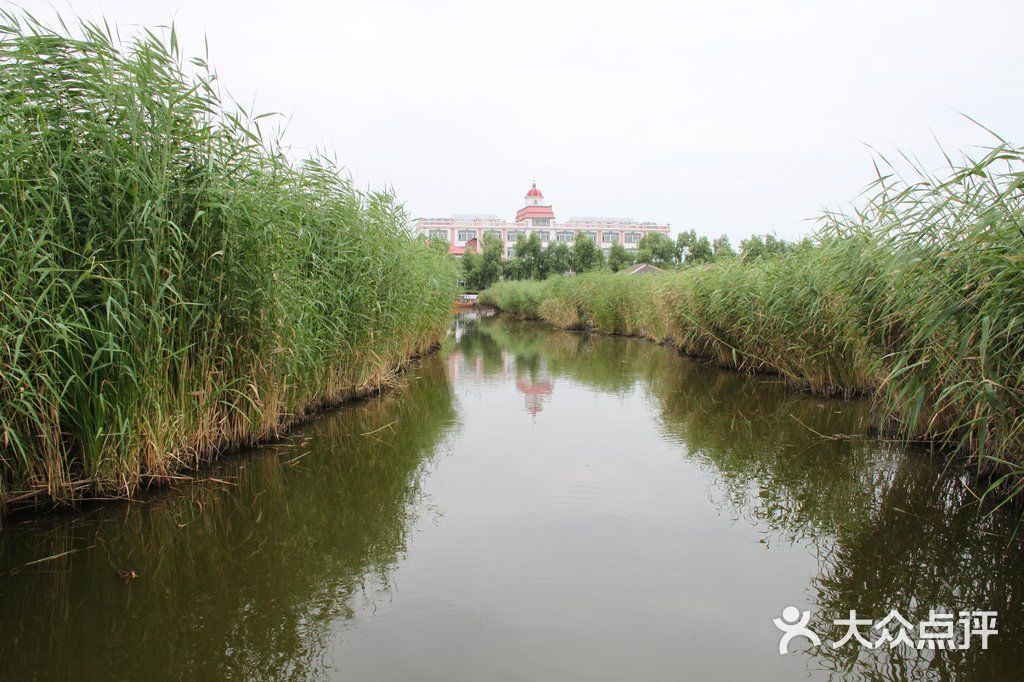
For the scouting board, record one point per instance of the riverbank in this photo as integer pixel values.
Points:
(174, 287)
(918, 299)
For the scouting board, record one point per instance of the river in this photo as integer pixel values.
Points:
(526, 504)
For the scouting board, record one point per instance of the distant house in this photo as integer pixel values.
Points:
(642, 269)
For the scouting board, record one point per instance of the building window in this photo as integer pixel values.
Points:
(514, 235)
(610, 237)
(492, 233)
(541, 222)
(466, 235)
(591, 235)
(565, 236)
(543, 235)
(439, 234)
(633, 237)
(510, 252)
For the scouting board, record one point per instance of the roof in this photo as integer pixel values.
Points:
(472, 246)
(527, 212)
(534, 192)
(642, 269)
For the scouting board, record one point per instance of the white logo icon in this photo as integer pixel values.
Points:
(794, 624)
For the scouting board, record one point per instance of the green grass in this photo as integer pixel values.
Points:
(917, 298)
(171, 284)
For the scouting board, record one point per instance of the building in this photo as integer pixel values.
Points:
(465, 233)
(642, 269)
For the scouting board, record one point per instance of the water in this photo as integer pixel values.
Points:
(528, 504)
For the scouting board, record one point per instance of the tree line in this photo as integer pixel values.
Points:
(531, 260)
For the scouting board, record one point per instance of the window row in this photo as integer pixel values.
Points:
(564, 236)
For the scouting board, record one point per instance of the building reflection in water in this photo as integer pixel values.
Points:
(476, 358)
(534, 393)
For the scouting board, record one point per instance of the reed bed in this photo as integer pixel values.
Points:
(171, 285)
(917, 298)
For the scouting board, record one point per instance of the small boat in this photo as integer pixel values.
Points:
(466, 301)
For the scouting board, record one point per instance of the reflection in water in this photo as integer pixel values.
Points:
(469, 361)
(891, 529)
(645, 521)
(534, 392)
(241, 580)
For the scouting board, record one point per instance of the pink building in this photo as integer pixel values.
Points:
(466, 233)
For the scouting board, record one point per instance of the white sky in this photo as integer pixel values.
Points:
(724, 117)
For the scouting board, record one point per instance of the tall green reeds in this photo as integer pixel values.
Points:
(934, 271)
(918, 298)
(170, 284)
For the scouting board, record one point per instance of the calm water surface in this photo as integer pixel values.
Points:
(528, 504)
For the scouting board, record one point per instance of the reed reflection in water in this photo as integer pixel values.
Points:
(526, 504)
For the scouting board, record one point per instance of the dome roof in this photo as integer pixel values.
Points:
(534, 192)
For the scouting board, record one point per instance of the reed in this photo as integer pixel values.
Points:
(171, 284)
(917, 297)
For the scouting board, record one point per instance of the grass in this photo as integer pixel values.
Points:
(172, 284)
(917, 298)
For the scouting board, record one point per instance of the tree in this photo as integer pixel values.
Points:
(514, 268)
(439, 245)
(757, 246)
(585, 255)
(752, 248)
(531, 254)
(541, 265)
(619, 258)
(656, 249)
(683, 241)
(700, 251)
(558, 258)
(488, 264)
(470, 263)
(774, 245)
(722, 248)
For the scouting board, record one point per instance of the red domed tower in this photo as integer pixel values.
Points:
(536, 211)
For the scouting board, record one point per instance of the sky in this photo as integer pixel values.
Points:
(723, 117)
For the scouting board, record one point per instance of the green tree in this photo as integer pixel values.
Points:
(541, 266)
(683, 241)
(559, 258)
(586, 256)
(762, 246)
(722, 248)
(700, 251)
(774, 245)
(470, 263)
(515, 268)
(439, 245)
(487, 264)
(752, 248)
(530, 252)
(619, 258)
(657, 249)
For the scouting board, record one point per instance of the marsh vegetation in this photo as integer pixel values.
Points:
(173, 285)
(916, 298)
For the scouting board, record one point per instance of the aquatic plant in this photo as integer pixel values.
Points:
(917, 297)
(172, 285)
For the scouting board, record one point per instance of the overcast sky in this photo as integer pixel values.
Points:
(724, 117)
